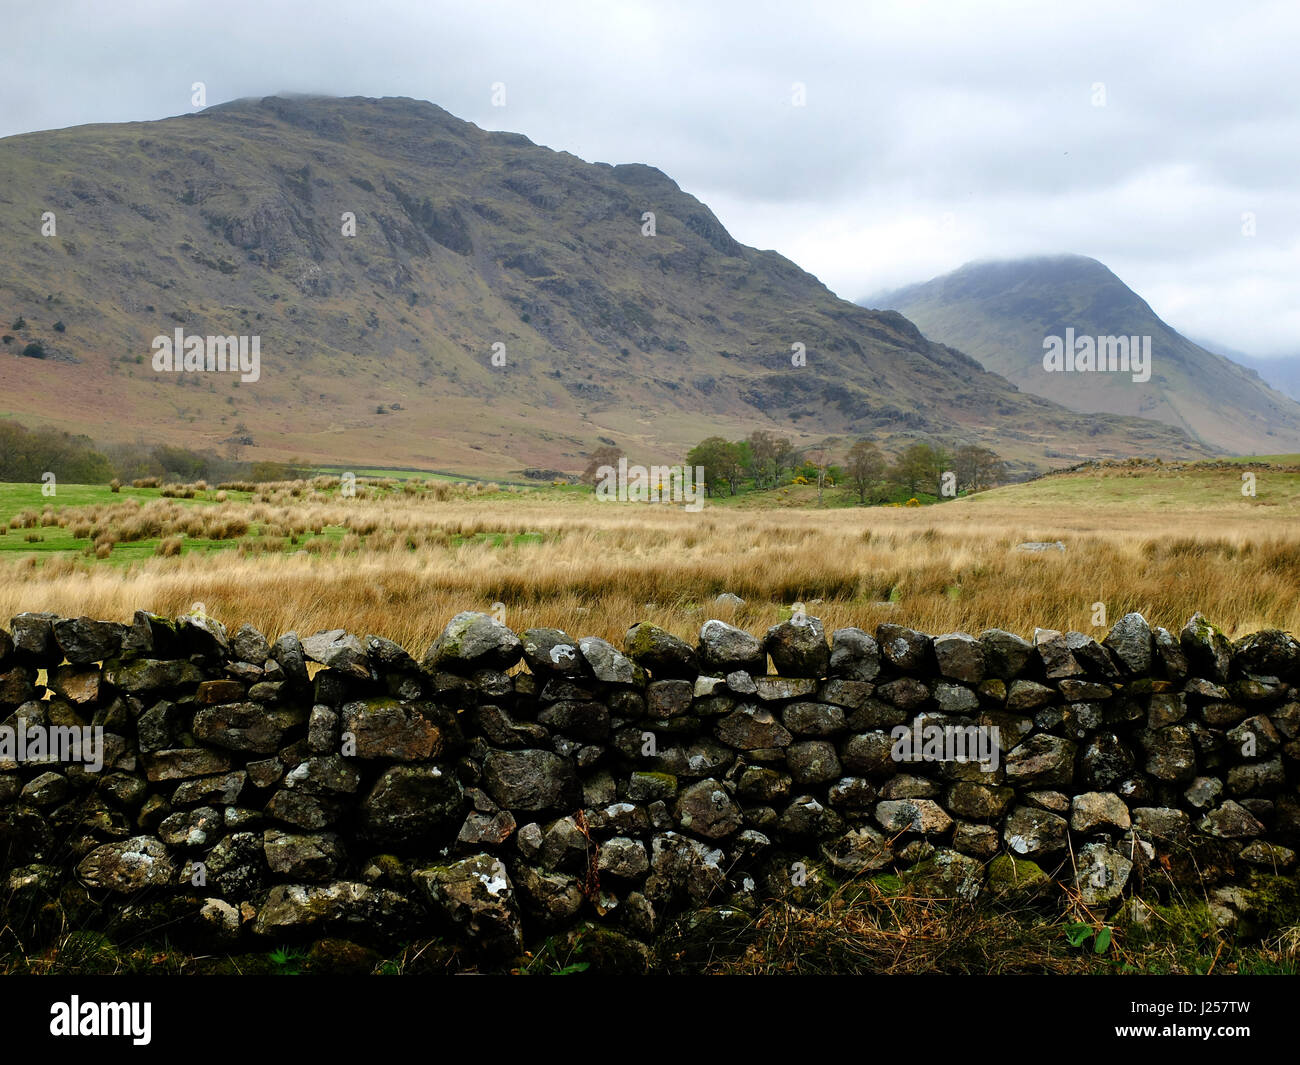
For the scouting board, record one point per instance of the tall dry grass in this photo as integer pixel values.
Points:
(399, 573)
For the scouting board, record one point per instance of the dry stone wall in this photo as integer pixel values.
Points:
(237, 791)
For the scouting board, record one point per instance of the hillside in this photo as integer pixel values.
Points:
(376, 348)
(1000, 313)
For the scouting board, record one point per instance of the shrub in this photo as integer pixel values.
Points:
(35, 350)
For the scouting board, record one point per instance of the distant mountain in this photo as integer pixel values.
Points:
(499, 305)
(1281, 373)
(1001, 313)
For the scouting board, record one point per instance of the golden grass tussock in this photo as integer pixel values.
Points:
(401, 564)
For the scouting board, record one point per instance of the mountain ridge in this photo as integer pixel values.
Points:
(379, 345)
(1001, 310)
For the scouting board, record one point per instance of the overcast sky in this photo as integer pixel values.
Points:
(930, 133)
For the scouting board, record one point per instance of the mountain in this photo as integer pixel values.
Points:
(378, 348)
(1280, 373)
(1002, 312)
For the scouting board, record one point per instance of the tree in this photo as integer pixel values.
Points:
(977, 468)
(916, 467)
(820, 456)
(605, 455)
(866, 468)
(768, 452)
(721, 460)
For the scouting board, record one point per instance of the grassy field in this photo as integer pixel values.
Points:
(400, 559)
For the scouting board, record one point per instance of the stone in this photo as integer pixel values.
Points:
(584, 720)
(1231, 821)
(127, 866)
(681, 865)
(184, 762)
(859, 850)
(1268, 653)
(249, 645)
(905, 649)
(1131, 643)
(549, 896)
(726, 648)
(669, 698)
(813, 719)
(1170, 753)
(853, 793)
(1268, 855)
(78, 686)
(1207, 649)
(855, 655)
(780, 689)
(473, 641)
(660, 652)
(813, 762)
(1054, 652)
(46, 789)
(1167, 709)
(1104, 761)
(646, 787)
(955, 698)
(531, 781)
(246, 727)
(84, 641)
(486, 829)
(850, 694)
(1028, 695)
(294, 909)
(623, 857)
(706, 809)
(608, 664)
(223, 788)
(752, 728)
(211, 692)
(1099, 811)
(1163, 822)
(1012, 876)
(1102, 873)
(798, 647)
(947, 874)
(1031, 831)
(33, 638)
(870, 753)
(960, 657)
(741, 683)
(413, 806)
(191, 828)
(979, 841)
(1005, 653)
(1256, 779)
(913, 815)
(149, 675)
(305, 856)
(381, 727)
(1042, 761)
(979, 802)
(323, 730)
